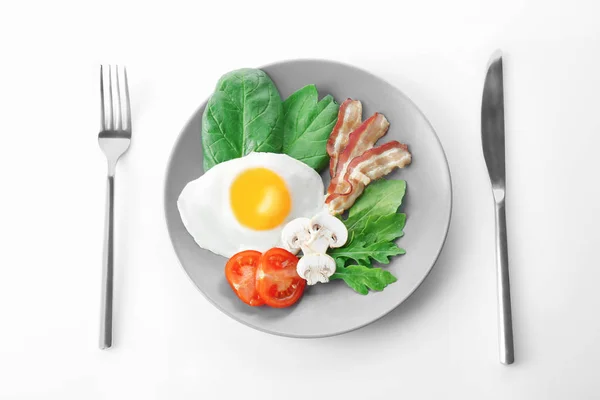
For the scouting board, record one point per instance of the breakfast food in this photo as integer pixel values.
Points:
(276, 279)
(240, 272)
(269, 278)
(349, 118)
(314, 236)
(373, 164)
(355, 162)
(359, 141)
(262, 203)
(244, 203)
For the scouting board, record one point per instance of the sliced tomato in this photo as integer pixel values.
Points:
(277, 281)
(240, 272)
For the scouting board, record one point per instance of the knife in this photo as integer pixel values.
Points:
(492, 138)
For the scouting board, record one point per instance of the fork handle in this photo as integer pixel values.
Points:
(504, 307)
(108, 267)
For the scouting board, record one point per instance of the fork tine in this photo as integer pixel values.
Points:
(127, 102)
(102, 116)
(111, 121)
(119, 114)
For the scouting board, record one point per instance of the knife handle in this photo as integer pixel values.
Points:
(504, 307)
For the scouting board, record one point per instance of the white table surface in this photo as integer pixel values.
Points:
(170, 343)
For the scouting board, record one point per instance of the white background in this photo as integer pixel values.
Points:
(170, 343)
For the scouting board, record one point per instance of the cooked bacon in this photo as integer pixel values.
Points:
(360, 140)
(349, 118)
(362, 170)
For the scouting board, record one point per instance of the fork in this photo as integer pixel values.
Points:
(114, 139)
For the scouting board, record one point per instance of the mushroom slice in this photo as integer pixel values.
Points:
(317, 242)
(295, 234)
(331, 229)
(316, 268)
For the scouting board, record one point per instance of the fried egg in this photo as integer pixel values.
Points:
(244, 203)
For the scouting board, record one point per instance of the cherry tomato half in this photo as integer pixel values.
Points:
(240, 272)
(276, 279)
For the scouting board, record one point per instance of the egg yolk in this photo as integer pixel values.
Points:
(260, 199)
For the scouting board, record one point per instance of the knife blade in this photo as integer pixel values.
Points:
(492, 121)
(493, 143)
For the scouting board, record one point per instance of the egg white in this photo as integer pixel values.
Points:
(204, 204)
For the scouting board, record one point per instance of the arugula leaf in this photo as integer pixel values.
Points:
(307, 126)
(362, 253)
(383, 228)
(362, 278)
(380, 198)
(374, 224)
(244, 114)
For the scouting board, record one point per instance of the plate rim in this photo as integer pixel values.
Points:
(341, 331)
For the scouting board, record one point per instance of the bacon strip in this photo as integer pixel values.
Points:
(362, 170)
(360, 140)
(349, 118)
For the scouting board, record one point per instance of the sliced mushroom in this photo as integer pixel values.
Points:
(318, 240)
(295, 234)
(333, 230)
(314, 236)
(316, 268)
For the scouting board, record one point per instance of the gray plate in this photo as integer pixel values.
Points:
(333, 308)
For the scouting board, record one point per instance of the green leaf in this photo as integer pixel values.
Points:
(363, 254)
(384, 228)
(307, 126)
(373, 225)
(362, 278)
(244, 114)
(380, 198)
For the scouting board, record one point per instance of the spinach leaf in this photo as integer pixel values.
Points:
(362, 278)
(244, 114)
(307, 126)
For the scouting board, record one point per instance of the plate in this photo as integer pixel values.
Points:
(333, 308)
